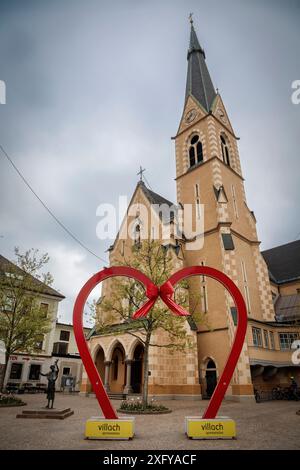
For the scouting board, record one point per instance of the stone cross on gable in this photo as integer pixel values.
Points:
(140, 173)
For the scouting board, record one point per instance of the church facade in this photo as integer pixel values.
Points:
(209, 177)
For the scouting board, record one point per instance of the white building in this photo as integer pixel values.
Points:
(66, 351)
(24, 369)
(59, 343)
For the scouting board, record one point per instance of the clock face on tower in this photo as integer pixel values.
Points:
(190, 116)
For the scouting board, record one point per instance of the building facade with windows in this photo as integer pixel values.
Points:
(272, 343)
(23, 368)
(209, 177)
(65, 350)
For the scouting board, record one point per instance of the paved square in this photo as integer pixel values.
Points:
(269, 425)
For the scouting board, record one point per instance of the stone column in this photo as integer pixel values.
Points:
(106, 376)
(128, 386)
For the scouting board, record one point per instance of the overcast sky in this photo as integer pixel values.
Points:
(96, 88)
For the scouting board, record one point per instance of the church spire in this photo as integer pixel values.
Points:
(198, 82)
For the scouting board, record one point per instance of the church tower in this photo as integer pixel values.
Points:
(208, 173)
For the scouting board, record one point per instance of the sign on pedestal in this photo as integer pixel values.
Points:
(100, 428)
(217, 428)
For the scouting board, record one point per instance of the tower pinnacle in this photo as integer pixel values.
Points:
(198, 83)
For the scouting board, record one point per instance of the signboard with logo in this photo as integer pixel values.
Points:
(121, 428)
(219, 428)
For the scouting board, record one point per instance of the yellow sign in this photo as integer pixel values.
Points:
(101, 428)
(218, 428)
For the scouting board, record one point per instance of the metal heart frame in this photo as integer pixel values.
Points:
(165, 292)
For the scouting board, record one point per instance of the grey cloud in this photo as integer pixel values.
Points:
(94, 89)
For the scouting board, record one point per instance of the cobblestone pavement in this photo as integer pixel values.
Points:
(268, 425)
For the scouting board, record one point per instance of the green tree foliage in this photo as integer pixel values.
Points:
(23, 323)
(127, 295)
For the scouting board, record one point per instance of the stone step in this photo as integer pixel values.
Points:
(117, 396)
(46, 414)
(46, 411)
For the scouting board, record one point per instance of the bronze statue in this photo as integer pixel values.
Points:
(51, 377)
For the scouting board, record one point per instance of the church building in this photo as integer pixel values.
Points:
(209, 175)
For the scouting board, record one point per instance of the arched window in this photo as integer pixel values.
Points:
(211, 378)
(116, 367)
(211, 364)
(195, 151)
(225, 151)
(137, 235)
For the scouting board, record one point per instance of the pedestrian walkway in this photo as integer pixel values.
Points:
(268, 425)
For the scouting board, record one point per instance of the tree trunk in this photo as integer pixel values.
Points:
(146, 371)
(2, 376)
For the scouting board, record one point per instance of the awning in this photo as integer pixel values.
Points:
(266, 363)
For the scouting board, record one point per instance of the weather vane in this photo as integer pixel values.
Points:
(191, 18)
(140, 173)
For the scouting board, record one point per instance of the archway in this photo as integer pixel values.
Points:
(137, 369)
(99, 362)
(210, 377)
(118, 369)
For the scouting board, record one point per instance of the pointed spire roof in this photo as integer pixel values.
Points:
(198, 82)
(194, 43)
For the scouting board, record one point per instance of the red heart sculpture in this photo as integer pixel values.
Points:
(165, 292)
(152, 292)
(223, 382)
